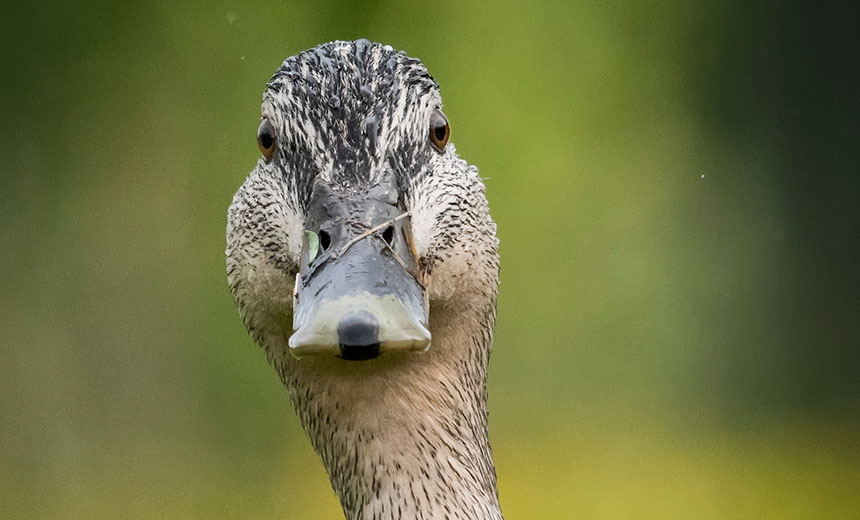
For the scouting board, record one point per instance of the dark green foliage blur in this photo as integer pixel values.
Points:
(677, 189)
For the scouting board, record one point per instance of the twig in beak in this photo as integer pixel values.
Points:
(372, 231)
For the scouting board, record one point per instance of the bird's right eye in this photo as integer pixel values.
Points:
(439, 130)
(266, 139)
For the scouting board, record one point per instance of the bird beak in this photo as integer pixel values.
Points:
(359, 291)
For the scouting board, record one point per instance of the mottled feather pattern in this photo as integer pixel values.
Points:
(401, 436)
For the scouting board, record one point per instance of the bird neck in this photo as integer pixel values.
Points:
(406, 437)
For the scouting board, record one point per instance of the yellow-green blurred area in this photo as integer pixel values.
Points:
(676, 189)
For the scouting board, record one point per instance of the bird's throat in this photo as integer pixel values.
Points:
(406, 438)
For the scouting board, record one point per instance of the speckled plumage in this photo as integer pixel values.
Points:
(403, 435)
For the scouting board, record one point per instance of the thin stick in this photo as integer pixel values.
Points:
(372, 231)
(397, 257)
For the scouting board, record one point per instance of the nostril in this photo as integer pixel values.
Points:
(358, 335)
(388, 236)
(325, 239)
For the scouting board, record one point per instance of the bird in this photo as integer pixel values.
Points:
(363, 259)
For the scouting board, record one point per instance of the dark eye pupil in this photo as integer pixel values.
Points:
(266, 139)
(439, 132)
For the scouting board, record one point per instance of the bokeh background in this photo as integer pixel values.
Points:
(676, 188)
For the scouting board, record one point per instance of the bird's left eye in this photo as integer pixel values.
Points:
(439, 130)
(266, 139)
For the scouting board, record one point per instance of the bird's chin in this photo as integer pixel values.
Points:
(357, 352)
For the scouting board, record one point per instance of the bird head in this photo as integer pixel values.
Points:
(359, 222)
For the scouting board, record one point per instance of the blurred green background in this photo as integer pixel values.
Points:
(676, 188)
